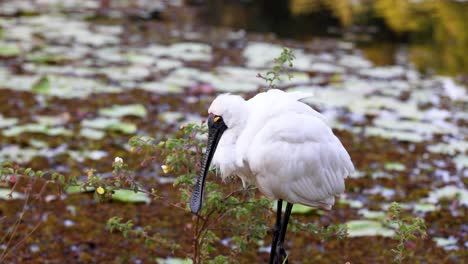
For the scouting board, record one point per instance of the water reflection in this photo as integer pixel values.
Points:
(433, 31)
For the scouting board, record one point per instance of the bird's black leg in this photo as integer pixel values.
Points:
(276, 230)
(280, 252)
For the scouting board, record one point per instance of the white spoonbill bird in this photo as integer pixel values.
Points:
(281, 145)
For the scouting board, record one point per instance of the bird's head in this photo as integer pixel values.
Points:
(231, 109)
(226, 111)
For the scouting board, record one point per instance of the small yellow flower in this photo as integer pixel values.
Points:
(132, 149)
(100, 190)
(165, 169)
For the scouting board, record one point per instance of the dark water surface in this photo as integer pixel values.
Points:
(432, 34)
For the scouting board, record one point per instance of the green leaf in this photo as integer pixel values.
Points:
(41, 86)
(79, 189)
(129, 196)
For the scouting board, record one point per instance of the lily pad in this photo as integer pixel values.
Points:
(113, 124)
(5, 194)
(352, 203)
(395, 166)
(445, 242)
(9, 50)
(173, 261)
(129, 196)
(379, 215)
(357, 228)
(448, 192)
(78, 189)
(92, 133)
(41, 86)
(461, 161)
(6, 122)
(81, 156)
(297, 208)
(37, 128)
(424, 207)
(124, 110)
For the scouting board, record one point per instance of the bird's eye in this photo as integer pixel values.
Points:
(216, 119)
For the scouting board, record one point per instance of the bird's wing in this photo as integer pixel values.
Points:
(264, 107)
(296, 157)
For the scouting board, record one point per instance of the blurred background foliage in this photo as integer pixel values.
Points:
(434, 31)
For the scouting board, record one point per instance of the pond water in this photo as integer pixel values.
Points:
(431, 34)
(77, 81)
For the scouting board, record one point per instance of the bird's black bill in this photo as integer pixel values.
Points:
(214, 135)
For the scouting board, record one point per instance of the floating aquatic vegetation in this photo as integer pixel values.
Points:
(161, 88)
(171, 260)
(390, 72)
(357, 228)
(448, 192)
(18, 154)
(7, 122)
(58, 86)
(91, 133)
(395, 166)
(7, 194)
(163, 64)
(357, 174)
(261, 55)
(129, 196)
(327, 68)
(9, 50)
(36, 128)
(354, 62)
(381, 174)
(461, 161)
(47, 58)
(112, 124)
(352, 203)
(83, 155)
(126, 73)
(366, 213)
(297, 208)
(137, 110)
(451, 148)
(186, 51)
(449, 243)
(379, 190)
(452, 90)
(171, 117)
(399, 135)
(79, 189)
(424, 129)
(424, 207)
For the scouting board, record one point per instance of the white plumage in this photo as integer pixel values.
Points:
(283, 146)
